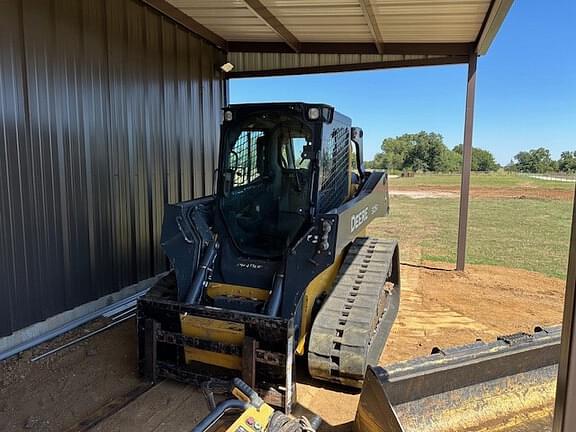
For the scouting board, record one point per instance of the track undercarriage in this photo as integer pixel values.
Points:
(351, 329)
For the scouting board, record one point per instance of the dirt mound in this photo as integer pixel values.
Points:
(56, 392)
(417, 194)
(518, 192)
(441, 307)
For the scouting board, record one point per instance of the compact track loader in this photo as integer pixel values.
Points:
(275, 264)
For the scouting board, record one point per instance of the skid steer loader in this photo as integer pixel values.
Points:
(275, 264)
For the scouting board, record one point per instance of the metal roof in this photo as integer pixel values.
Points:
(268, 37)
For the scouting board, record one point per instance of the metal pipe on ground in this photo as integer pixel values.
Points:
(105, 311)
(126, 312)
(80, 339)
(120, 309)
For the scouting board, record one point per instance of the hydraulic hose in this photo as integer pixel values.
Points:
(255, 400)
(221, 409)
(202, 273)
(273, 305)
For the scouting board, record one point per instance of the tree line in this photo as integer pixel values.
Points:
(540, 161)
(426, 152)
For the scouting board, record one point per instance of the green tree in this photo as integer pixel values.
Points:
(482, 160)
(535, 161)
(377, 163)
(511, 166)
(451, 162)
(567, 162)
(426, 153)
(394, 152)
(422, 151)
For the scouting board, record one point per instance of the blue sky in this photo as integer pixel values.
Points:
(525, 97)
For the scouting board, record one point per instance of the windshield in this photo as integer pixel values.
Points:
(266, 195)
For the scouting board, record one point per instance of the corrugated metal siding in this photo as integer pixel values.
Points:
(430, 21)
(107, 111)
(228, 19)
(343, 20)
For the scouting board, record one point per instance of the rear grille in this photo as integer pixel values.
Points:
(335, 162)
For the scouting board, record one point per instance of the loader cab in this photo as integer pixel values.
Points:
(268, 165)
(282, 165)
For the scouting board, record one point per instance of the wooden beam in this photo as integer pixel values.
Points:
(368, 12)
(443, 48)
(151, 350)
(466, 163)
(265, 15)
(187, 21)
(249, 361)
(350, 67)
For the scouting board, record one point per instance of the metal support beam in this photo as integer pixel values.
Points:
(187, 21)
(466, 163)
(494, 18)
(349, 67)
(564, 414)
(392, 48)
(270, 19)
(368, 11)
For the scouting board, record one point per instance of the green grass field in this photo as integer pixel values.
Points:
(531, 234)
(490, 180)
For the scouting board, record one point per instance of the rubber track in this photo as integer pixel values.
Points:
(351, 329)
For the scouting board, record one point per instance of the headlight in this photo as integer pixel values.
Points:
(228, 115)
(227, 67)
(313, 113)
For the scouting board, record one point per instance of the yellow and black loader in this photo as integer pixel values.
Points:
(275, 264)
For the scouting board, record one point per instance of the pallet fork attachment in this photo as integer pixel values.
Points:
(264, 355)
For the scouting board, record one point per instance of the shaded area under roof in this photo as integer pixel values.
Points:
(280, 37)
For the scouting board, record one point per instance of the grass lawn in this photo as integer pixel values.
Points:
(491, 180)
(522, 233)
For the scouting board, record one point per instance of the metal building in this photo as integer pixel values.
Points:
(111, 108)
(108, 109)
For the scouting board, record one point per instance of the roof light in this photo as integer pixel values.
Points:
(227, 67)
(313, 113)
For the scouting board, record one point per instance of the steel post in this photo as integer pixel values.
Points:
(564, 417)
(466, 162)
